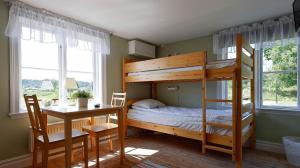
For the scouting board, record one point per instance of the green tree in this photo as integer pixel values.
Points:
(284, 58)
(281, 86)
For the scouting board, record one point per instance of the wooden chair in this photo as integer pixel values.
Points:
(46, 141)
(106, 129)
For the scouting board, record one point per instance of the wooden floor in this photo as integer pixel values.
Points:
(171, 151)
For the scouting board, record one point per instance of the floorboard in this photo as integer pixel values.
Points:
(172, 151)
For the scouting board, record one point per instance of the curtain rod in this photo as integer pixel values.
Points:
(66, 18)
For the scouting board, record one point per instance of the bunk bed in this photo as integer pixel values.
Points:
(194, 67)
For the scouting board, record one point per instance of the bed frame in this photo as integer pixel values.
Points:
(243, 69)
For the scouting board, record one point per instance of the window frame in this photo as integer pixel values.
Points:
(16, 110)
(259, 81)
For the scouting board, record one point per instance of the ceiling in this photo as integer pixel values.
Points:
(166, 21)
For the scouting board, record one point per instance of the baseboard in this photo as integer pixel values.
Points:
(269, 146)
(17, 162)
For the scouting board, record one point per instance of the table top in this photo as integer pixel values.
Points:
(63, 111)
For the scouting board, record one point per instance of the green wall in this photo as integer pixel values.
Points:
(14, 132)
(119, 49)
(272, 125)
(189, 93)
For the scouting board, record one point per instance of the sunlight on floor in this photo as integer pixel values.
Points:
(137, 153)
(140, 153)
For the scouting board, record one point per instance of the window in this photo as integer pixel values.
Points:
(277, 79)
(227, 85)
(81, 70)
(279, 86)
(39, 70)
(44, 66)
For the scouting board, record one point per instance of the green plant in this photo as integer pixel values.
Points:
(81, 94)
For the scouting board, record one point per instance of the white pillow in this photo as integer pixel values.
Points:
(148, 103)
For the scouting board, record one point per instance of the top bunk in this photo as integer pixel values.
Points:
(191, 67)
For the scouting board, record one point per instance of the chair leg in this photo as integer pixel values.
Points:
(97, 150)
(110, 143)
(45, 158)
(34, 156)
(72, 157)
(91, 141)
(86, 151)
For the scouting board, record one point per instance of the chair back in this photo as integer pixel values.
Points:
(38, 124)
(118, 99)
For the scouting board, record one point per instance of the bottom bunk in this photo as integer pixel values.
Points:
(187, 122)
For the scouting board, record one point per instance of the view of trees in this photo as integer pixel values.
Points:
(36, 87)
(280, 77)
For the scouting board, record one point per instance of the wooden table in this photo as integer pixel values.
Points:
(73, 112)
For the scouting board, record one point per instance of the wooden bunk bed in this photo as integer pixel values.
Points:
(242, 68)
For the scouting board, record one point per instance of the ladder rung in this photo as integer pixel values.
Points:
(216, 148)
(219, 125)
(218, 100)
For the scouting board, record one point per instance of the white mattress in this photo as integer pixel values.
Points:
(185, 118)
(210, 65)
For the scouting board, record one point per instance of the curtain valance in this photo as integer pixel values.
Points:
(265, 32)
(27, 22)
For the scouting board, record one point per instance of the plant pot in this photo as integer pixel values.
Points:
(82, 102)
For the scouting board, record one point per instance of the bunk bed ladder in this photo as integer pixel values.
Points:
(228, 150)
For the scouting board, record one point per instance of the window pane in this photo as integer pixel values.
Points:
(79, 60)
(280, 73)
(280, 57)
(84, 80)
(80, 66)
(39, 55)
(43, 83)
(245, 93)
(39, 71)
(231, 52)
(280, 89)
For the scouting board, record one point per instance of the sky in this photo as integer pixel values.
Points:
(41, 61)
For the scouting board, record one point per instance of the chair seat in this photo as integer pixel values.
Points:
(60, 136)
(100, 128)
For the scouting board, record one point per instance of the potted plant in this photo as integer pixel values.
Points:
(82, 97)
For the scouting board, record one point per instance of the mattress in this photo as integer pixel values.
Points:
(185, 118)
(210, 65)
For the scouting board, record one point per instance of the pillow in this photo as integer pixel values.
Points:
(148, 103)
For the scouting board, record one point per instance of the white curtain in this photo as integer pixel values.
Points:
(27, 22)
(30, 23)
(265, 33)
(260, 35)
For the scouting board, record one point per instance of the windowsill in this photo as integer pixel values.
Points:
(279, 108)
(279, 111)
(18, 115)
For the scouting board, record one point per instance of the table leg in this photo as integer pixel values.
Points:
(68, 140)
(121, 135)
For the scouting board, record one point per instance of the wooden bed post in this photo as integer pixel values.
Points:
(203, 89)
(234, 112)
(124, 87)
(238, 145)
(252, 85)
